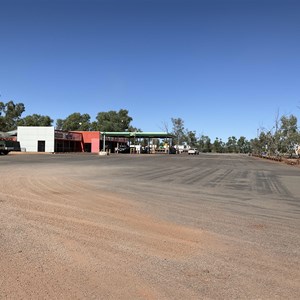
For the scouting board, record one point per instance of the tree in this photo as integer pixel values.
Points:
(73, 122)
(255, 146)
(113, 121)
(218, 146)
(191, 138)
(178, 129)
(165, 127)
(35, 120)
(205, 144)
(10, 114)
(59, 124)
(283, 141)
(134, 129)
(243, 145)
(231, 144)
(289, 135)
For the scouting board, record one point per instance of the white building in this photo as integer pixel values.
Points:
(36, 139)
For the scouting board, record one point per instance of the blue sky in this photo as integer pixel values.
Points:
(226, 67)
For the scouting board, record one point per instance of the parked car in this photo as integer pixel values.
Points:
(193, 151)
(123, 149)
(7, 146)
(145, 149)
(172, 150)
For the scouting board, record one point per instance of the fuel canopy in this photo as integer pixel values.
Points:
(134, 135)
(137, 134)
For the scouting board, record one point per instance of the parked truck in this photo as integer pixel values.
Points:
(7, 146)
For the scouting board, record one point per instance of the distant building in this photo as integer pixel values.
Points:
(47, 139)
(36, 139)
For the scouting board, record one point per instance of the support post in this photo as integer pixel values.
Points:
(103, 142)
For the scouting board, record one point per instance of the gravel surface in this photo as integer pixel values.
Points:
(82, 226)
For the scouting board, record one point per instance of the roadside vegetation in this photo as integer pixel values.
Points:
(282, 140)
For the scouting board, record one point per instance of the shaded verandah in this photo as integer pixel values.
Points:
(132, 137)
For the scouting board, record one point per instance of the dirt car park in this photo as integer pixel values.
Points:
(207, 226)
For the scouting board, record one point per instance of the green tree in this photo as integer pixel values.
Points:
(35, 120)
(75, 121)
(59, 124)
(10, 114)
(178, 130)
(263, 144)
(218, 146)
(282, 141)
(191, 138)
(231, 145)
(243, 145)
(264, 141)
(205, 144)
(289, 134)
(255, 146)
(134, 129)
(113, 121)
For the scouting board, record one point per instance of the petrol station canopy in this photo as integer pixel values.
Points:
(136, 134)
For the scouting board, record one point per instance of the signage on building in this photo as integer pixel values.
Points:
(73, 136)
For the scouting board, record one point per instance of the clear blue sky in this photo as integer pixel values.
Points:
(225, 67)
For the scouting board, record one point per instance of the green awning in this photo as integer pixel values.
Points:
(137, 134)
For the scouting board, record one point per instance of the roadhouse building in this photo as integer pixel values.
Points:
(48, 139)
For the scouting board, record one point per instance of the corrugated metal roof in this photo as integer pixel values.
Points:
(9, 133)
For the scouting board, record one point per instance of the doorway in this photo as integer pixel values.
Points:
(87, 147)
(41, 146)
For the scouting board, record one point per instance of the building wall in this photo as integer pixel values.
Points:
(93, 138)
(29, 137)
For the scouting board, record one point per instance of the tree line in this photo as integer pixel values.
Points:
(11, 118)
(204, 144)
(280, 140)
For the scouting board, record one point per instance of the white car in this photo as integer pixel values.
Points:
(193, 151)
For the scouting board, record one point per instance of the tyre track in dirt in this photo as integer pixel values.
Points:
(123, 227)
(87, 234)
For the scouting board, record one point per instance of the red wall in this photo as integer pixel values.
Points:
(92, 137)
